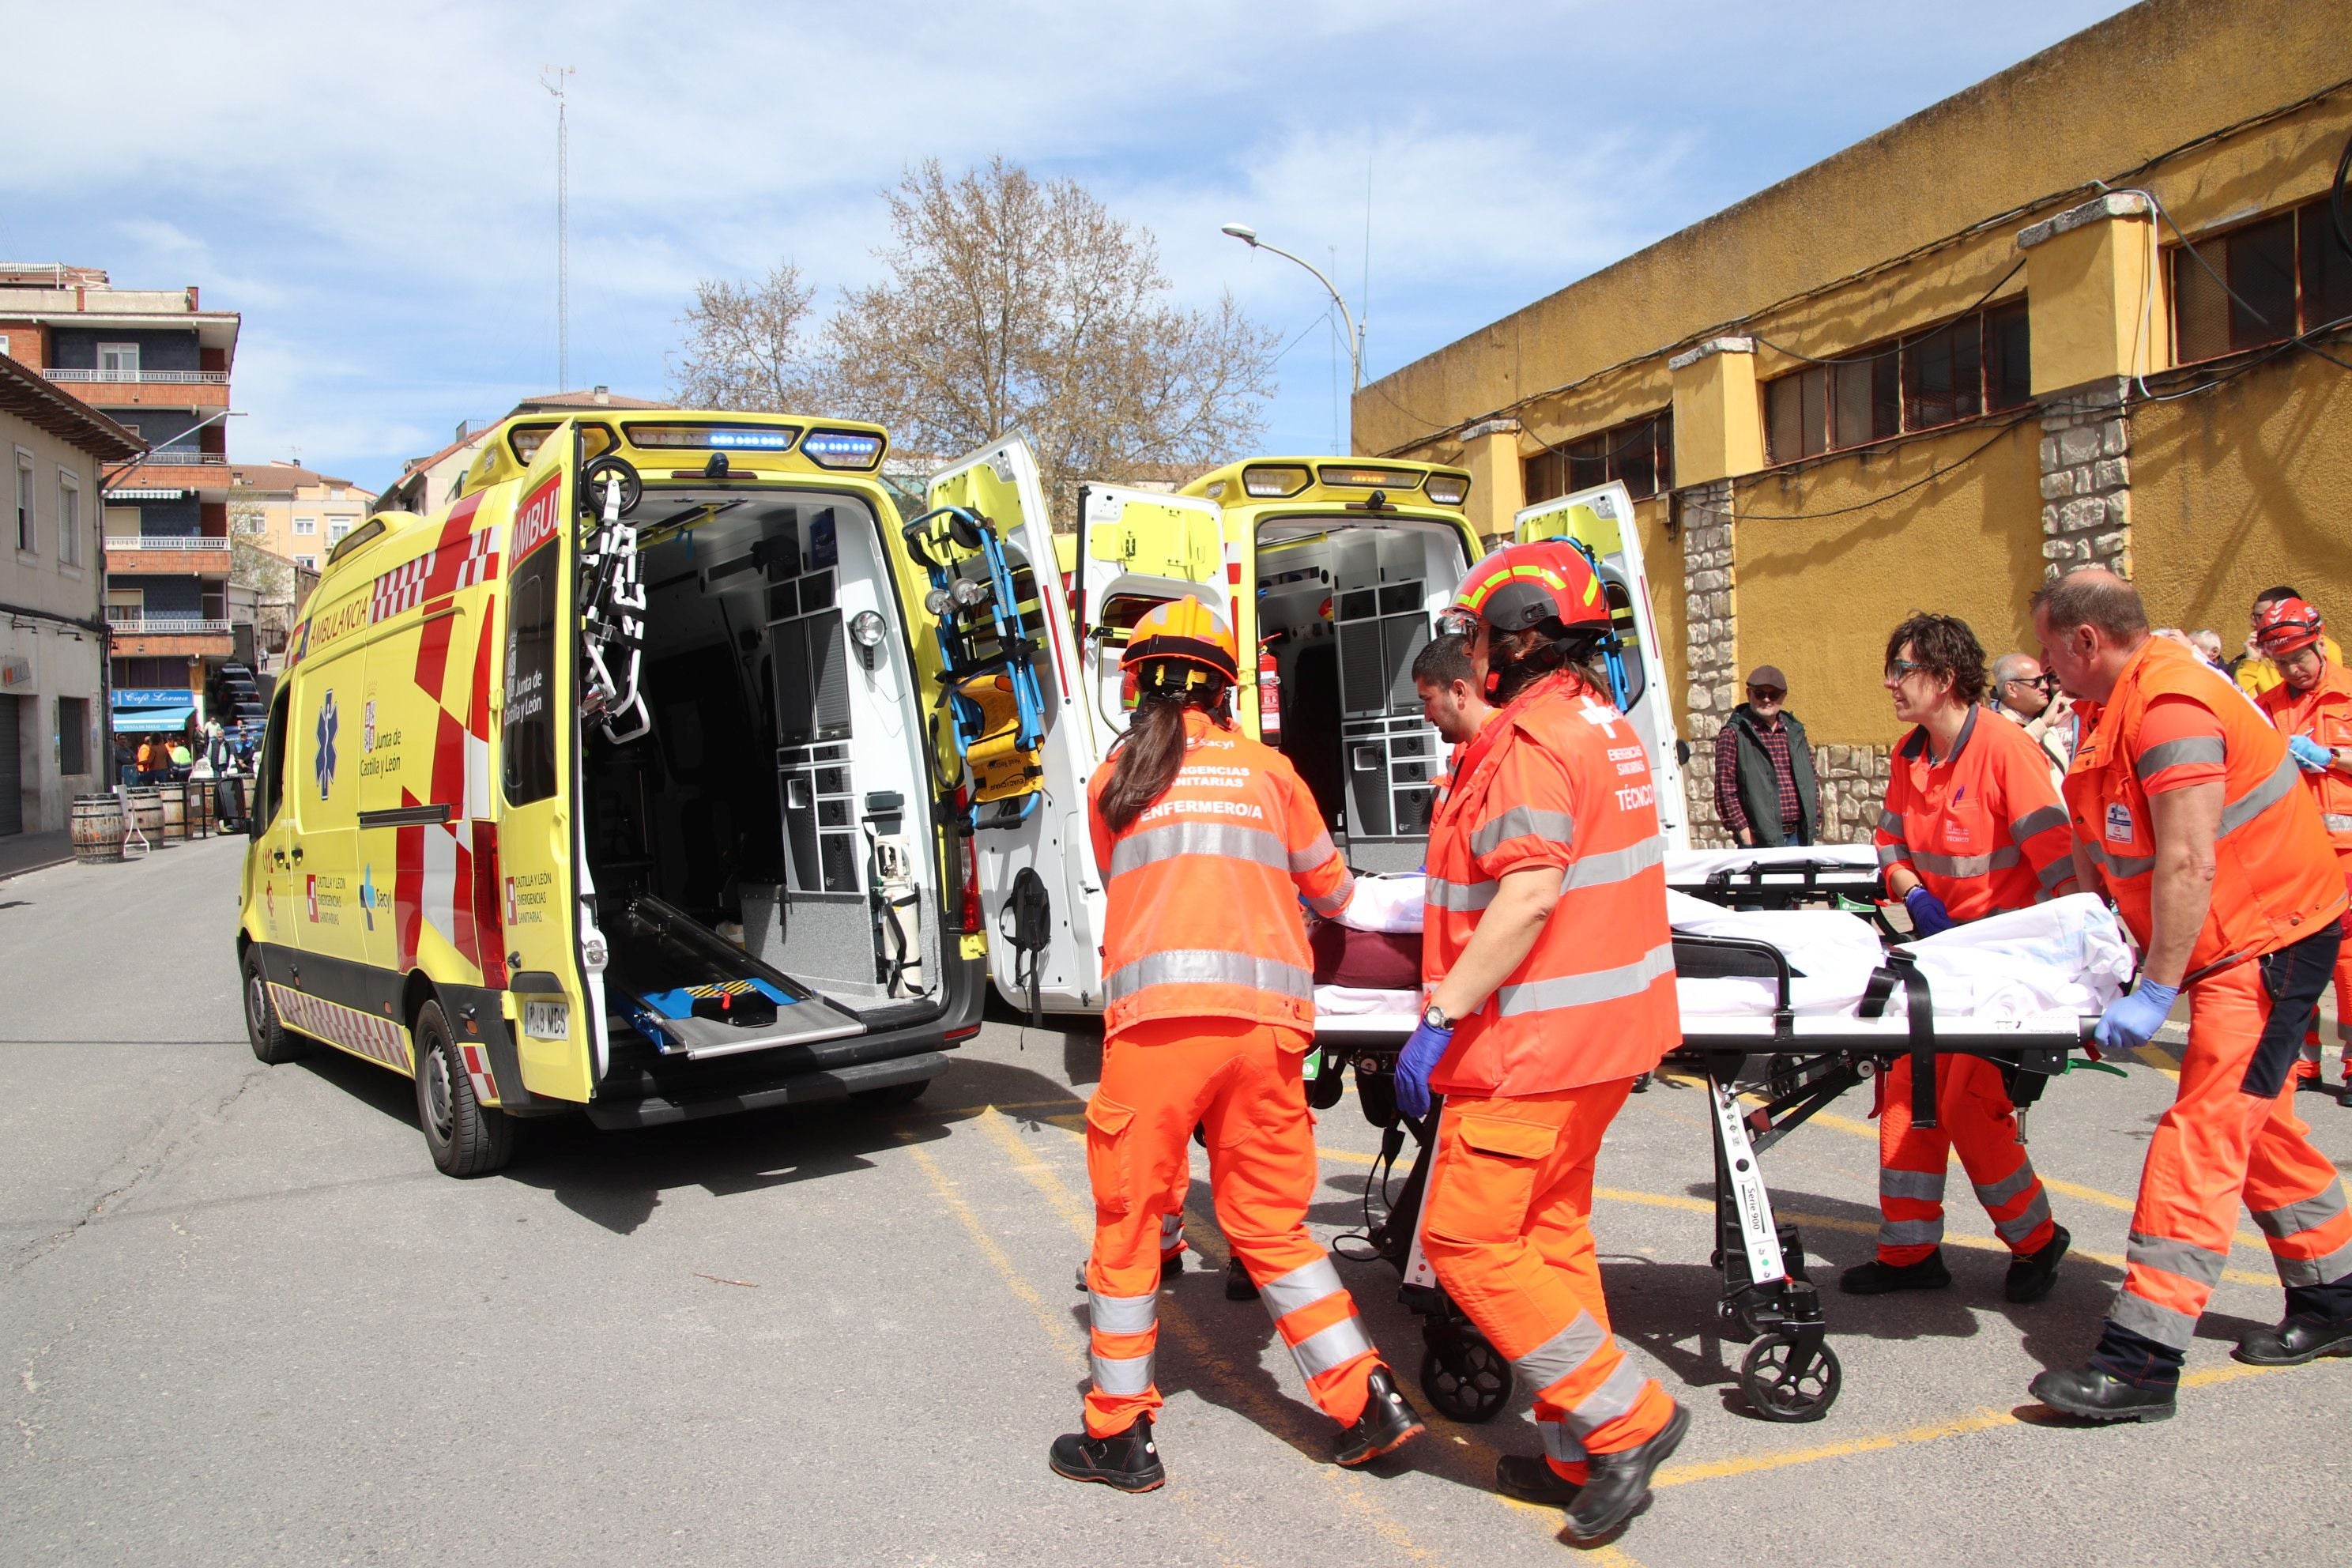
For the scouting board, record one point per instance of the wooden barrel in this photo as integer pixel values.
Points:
(145, 808)
(175, 815)
(97, 828)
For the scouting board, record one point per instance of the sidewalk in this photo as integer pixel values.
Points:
(21, 852)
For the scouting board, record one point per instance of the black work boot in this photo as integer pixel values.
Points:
(1618, 1484)
(1387, 1423)
(2097, 1396)
(1171, 1265)
(2303, 1337)
(1239, 1286)
(1876, 1279)
(1128, 1460)
(1531, 1479)
(2031, 1275)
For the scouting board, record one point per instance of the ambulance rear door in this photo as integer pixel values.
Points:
(1037, 874)
(1602, 518)
(1137, 549)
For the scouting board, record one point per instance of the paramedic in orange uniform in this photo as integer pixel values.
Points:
(2187, 811)
(1209, 841)
(2312, 707)
(1552, 986)
(1973, 827)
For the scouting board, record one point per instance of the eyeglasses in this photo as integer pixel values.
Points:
(1896, 668)
(1766, 693)
(1456, 622)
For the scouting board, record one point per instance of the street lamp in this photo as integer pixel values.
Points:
(106, 484)
(1248, 237)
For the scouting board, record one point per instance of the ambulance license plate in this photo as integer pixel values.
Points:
(546, 1020)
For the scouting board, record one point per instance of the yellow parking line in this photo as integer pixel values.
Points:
(2162, 1060)
(1059, 1329)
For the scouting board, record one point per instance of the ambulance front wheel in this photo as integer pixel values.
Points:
(465, 1137)
(272, 1042)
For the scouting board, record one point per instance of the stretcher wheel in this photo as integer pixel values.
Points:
(1784, 1384)
(1466, 1378)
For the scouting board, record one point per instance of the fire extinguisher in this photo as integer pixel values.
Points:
(1269, 697)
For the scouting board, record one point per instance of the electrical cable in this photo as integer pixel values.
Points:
(1928, 478)
(2336, 198)
(1885, 354)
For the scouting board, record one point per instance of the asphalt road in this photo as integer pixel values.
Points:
(248, 1323)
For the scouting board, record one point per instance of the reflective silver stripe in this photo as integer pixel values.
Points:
(2172, 753)
(2038, 821)
(2015, 1231)
(1558, 1443)
(1521, 822)
(2343, 1031)
(1206, 967)
(1967, 865)
(1332, 903)
(1892, 825)
(2008, 1187)
(1302, 1287)
(2325, 1270)
(1616, 866)
(2310, 1214)
(1926, 1185)
(2260, 798)
(1890, 853)
(1171, 1228)
(1584, 990)
(2057, 871)
(1460, 897)
(1131, 1375)
(2185, 1258)
(1911, 1232)
(1615, 1396)
(2335, 822)
(1562, 1354)
(2310, 1051)
(2144, 1317)
(1313, 856)
(1222, 839)
(1122, 1314)
(1325, 1349)
(2123, 867)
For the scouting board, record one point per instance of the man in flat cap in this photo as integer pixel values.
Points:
(1765, 790)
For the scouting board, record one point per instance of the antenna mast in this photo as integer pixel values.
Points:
(552, 79)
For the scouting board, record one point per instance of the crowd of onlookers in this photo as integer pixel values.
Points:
(210, 751)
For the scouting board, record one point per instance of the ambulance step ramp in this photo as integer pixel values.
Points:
(686, 988)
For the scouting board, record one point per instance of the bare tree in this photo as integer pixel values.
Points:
(1011, 305)
(746, 345)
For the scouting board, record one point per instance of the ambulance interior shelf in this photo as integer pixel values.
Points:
(693, 993)
(991, 624)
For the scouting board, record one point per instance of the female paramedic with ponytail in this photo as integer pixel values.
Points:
(1208, 840)
(1552, 986)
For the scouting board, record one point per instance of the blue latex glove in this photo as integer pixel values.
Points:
(2309, 755)
(1419, 1058)
(2131, 1020)
(1928, 914)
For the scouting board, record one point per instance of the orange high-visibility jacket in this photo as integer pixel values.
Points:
(1984, 830)
(2276, 879)
(1559, 779)
(1204, 888)
(2325, 715)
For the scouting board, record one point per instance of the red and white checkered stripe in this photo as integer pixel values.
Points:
(458, 564)
(363, 1034)
(478, 1068)
(401, 588)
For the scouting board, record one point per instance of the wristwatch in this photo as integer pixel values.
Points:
(1434, 1017)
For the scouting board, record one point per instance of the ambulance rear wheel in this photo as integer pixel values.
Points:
(1783, 1384)
(1466, 1378)
(272, 1042)
(465, 1137)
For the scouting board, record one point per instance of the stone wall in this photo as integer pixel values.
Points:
(2086, 480)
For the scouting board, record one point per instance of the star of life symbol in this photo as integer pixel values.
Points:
(367, 728)
(328, 725)
(1602, 715)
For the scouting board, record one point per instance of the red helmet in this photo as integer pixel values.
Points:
(2282, 625)
(1521, 585)
(1184, 631)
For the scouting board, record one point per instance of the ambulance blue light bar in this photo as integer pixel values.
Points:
(714, 437)
(843, 448)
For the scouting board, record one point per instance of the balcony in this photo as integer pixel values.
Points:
(137, 634)
(194, 555)
(140, 623)
(176, 468)
(144, 388)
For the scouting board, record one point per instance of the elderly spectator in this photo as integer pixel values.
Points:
(1765, 790)
(2024, 691)
(2208, 642)
(2257, 672)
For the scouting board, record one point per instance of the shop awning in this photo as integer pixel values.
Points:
(141, 721)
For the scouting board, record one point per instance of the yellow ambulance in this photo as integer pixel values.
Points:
(614, 785)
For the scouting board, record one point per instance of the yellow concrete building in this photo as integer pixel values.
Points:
(2092, 310)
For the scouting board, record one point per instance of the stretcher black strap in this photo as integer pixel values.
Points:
(1900, 970)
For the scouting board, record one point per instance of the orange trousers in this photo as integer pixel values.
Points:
(2230, 1135)
(1507, 1226)
(1974, 1115)
(2309, 1068)
(1241, 1081)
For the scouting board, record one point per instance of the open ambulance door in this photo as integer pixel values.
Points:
(1137, 549)
(1603, 520)
(1041, 894)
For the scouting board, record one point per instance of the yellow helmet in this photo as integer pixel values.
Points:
(1185, 632)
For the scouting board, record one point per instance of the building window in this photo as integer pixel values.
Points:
(308, 563)
(2286, 276)
(1641, 452)
(5, 349)
(1977, 364)
(306, 525)
(73, 735)
(69, 550)
(336, 528)
(117, 360)
(26, 537)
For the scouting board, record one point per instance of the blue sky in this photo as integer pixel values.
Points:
(376, 191)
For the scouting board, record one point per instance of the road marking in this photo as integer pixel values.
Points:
(2162, 1060)
(1059, 1329)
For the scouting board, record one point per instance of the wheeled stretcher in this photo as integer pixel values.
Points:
(1767, 1069)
